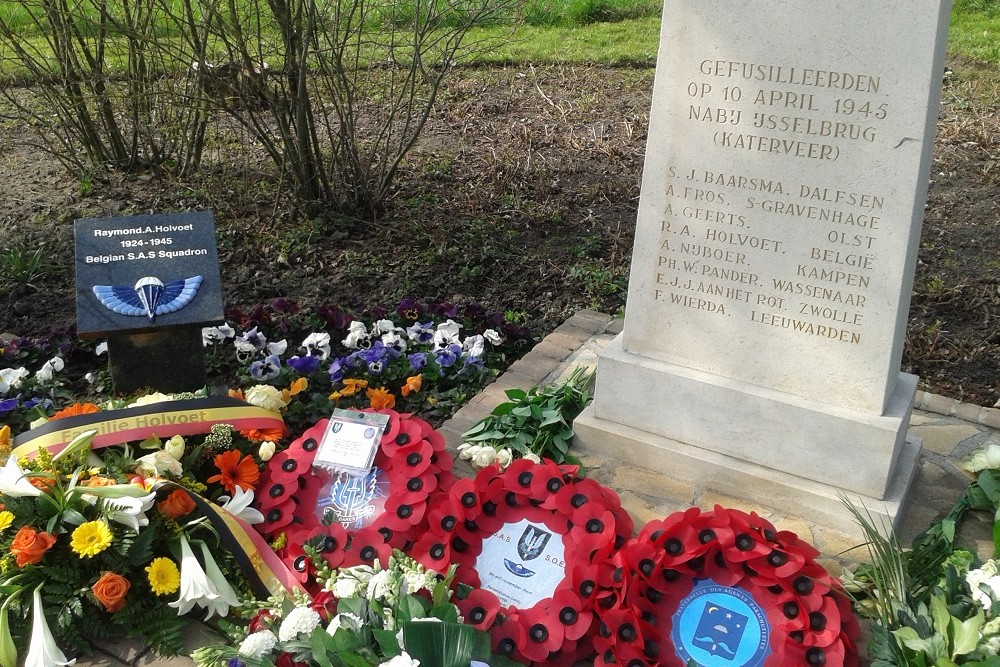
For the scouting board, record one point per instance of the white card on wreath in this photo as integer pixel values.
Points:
(351, 440)
(522, 563)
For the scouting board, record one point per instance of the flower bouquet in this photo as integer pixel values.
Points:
(397, 616)
(104, 539)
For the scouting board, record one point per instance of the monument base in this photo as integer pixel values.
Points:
(836, 446)
(169, 361)
(709, 471)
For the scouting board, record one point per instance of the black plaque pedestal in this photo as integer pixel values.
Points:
(170, 361)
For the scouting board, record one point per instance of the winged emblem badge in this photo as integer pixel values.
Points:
(150, 296)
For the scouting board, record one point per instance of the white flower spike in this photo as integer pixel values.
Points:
(227, 596)
(195, 585)
(13, 483)
(239, 505)
(44, 652)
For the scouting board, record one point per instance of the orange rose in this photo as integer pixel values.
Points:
(29, 545)
(177, 504)
(110, 590)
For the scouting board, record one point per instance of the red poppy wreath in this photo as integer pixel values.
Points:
(534, 542)
(353, 519)
(722, 587)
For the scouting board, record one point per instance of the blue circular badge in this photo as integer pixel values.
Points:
(720, 626)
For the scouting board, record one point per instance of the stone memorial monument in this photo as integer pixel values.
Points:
(782, 200)
(149, 283)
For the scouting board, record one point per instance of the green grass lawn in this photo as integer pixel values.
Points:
(616, 32)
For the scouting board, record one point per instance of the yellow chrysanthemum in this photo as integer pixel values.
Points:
(164, 577)
(6, 518)
(91, 538)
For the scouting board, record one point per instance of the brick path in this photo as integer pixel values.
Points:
(950, 431)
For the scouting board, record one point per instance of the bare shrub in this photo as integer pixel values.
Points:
(107, 88)
(338, 91)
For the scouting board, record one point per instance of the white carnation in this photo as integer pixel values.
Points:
(300, 621)
(257, 645)
(403, 660)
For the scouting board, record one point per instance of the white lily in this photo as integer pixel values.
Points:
(195, 585)
(127, 510)
(13, 483)
(227, 596)
(239, 505)
(43, 651)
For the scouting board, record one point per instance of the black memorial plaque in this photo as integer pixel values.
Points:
(146, 273)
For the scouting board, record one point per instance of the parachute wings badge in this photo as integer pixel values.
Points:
(150, 296)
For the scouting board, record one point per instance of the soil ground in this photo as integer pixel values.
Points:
(521, 195)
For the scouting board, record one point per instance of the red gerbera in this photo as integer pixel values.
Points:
(235, 471)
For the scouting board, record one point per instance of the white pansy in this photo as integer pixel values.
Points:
(344, 620)
(227, 596)
(157, 464)
(10, 378)
(195, 587)
(384, 326)
(984, 459)
(474, 346)
(317, 345)
(446, 334)
(258, 644)
(175, 447)
(394, 340)
(240, 505)
(43, 650)
(493, 337)
(299, 621)
(90, 378)
(277, 349)
(101, 348)
(504, 458)
(13, 483)
(484, 456)
(49, 369)
(266, 451)
(211, 335)
(356, 335)
(265, 396)
(250, 342)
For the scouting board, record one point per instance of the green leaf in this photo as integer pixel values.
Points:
(350, 660)
(8, 651)
(516, 394)
(411, 607)
(387, 642)
(990, 485)
(319, 641)
(965, 634)
(445, 644)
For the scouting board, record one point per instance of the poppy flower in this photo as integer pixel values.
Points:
(235, 470)
(273, 492)
(331, 542)
(433, 551)
(570, 610)
(408, 432)
(543, 631)
(400, 515)
(508, 636)
(415, 488)
(286, 468)
(297, 561)
(277, 517)
(480, 608)
(365, 546)
(415, 457)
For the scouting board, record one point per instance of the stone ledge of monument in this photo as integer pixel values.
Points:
(100, 658)
(590, 319)
(574, 332)
(536, 366)
(516, 380)
(553, 350)
(951, 407)
(616, 326)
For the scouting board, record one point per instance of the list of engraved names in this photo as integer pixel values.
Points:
(781, 251)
